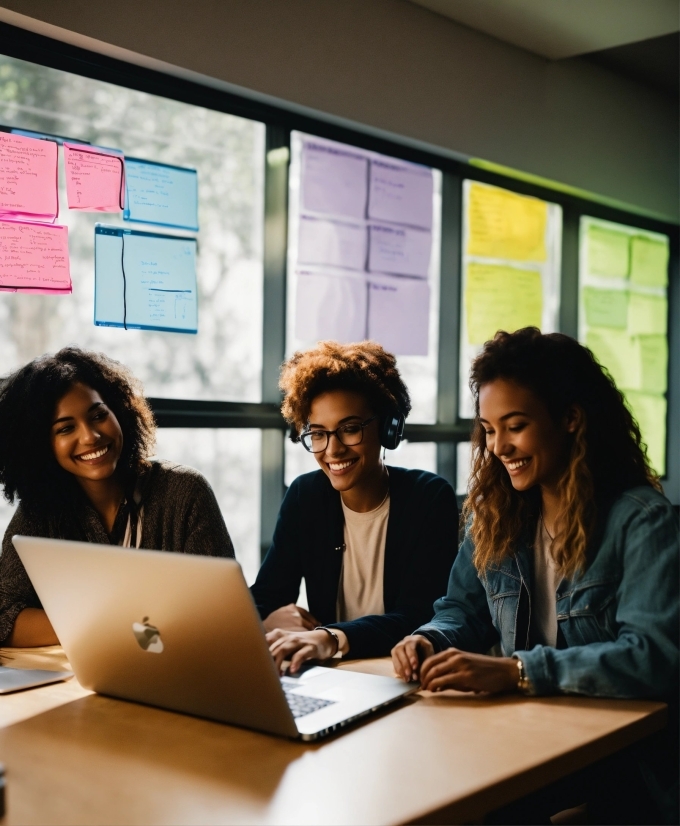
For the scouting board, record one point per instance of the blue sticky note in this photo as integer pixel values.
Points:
(144, 280)
(161, 194)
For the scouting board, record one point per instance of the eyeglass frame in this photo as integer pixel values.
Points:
(330, 433)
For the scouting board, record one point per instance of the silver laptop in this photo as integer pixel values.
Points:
(181, 632)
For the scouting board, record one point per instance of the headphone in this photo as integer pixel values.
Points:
(392, 429)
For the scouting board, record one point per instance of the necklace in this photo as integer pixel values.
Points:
(551, 538)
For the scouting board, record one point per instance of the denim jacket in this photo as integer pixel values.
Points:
(618, 621)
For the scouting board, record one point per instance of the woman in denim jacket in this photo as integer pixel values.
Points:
(570, 554)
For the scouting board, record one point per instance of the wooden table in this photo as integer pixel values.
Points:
(73, 757)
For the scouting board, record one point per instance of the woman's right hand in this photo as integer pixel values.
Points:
(290, 618)
(408, 654)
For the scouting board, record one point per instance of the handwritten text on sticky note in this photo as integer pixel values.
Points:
(34, 258)
(28, 179)
(95, 178)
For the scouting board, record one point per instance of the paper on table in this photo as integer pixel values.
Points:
(330, 307)
(608, 252)
(28, 179)
(399, 250)
(649, 261)
(95, 178)
(34, 258)
(401, 194)
(502, 224)
(614, 350)
(650, 412)
(161, 194)
(647, 315)
(333, 243)
(606, 308)
(399, 314)
(334, 181)
(501, 298)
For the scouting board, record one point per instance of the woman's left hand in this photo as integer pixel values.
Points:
(468, 672)
(299, 646)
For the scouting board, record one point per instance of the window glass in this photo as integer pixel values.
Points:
(463, 467)
(223, 361)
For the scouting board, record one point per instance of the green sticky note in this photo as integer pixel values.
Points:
(608, 252)
(606, 308)
(647, 315)
(652, 354)
(501, 298)
(649, 261)
(614, 350)
(650, 413)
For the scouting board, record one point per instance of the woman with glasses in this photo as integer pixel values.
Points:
(374, 544)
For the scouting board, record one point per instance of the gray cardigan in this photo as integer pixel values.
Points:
(181, 514)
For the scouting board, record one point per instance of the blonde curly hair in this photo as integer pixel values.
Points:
(363, 367)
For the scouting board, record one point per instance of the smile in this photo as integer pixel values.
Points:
(96, 454)
(517, 464)
(337, 467)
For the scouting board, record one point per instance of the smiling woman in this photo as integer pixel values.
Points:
(77, 434)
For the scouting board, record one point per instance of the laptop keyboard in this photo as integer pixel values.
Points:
(300, 704)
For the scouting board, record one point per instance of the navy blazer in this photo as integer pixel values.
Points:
(421, 544)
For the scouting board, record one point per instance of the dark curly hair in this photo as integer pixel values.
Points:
(607, 455)
(363, 367)
(28, 397)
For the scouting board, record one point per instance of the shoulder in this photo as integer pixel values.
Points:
(640, 502)
(416, 481)
(172, 479)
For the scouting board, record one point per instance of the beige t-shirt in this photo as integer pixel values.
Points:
(546, 580)
(363, 562)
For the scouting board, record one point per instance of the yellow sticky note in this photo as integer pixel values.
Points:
(501, 298)
(608, 252)
(652, 356)
(649, 261)
(605, 308)
(647, 315)
(502, 224)
(614, 350)
(650, 413)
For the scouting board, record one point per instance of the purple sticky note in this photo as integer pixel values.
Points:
(34, 258)
(28, 179)
(95, 178)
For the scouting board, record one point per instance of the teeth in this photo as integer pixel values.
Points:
(518, 464)
(340, 465)
(95, 455)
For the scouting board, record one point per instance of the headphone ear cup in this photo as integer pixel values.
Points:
(392, 430)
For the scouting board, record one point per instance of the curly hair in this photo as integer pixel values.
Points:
(28, 398)
(607, 455)
(363, 367)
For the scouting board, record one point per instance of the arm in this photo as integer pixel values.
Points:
(206, 533)
(31, 629)
(643, 661)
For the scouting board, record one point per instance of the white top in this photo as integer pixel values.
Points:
(546, 580)
(363, 562)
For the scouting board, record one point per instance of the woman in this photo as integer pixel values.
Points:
(570, 557)
(373, 544)
(76, 436)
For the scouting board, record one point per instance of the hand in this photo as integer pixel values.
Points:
(407, 655)
(291, 618)
(302, 645)
(468, 672)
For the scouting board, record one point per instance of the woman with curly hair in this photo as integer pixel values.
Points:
(570, 556)
(76, 437)
(373, 544)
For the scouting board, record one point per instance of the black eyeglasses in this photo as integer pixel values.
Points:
(350, 434)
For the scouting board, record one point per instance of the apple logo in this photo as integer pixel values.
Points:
(148, 636)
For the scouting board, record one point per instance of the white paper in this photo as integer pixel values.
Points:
(334, 182)
(398, 314)
(399, 250)
(401, 194)
(330, 307)
(332, 243)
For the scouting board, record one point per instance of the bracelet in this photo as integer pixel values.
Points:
(523, 682)
(333, 634)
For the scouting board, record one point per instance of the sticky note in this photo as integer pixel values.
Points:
(332, 243)
(34, 258)
(334, 180)
(330, 307)
(647, 315)
(649, 261)
(399, 250)
(399, 314)
(161, 194)
(608, 252)
(614, 350)
(504, 225)
(95, 178)
(400, 194)
(28, 179)
(501, 298)
(650, 413)
(652, 355)
(605, 308)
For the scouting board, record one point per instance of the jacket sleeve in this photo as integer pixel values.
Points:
(16, 590)
(206, 533)
(424, 573)
(278, 581)
(462, 619)
(642, 661)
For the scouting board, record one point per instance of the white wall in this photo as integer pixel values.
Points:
(397, 67)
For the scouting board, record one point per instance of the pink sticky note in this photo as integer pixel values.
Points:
(28, 179)
(34, 258)
(95, 178)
